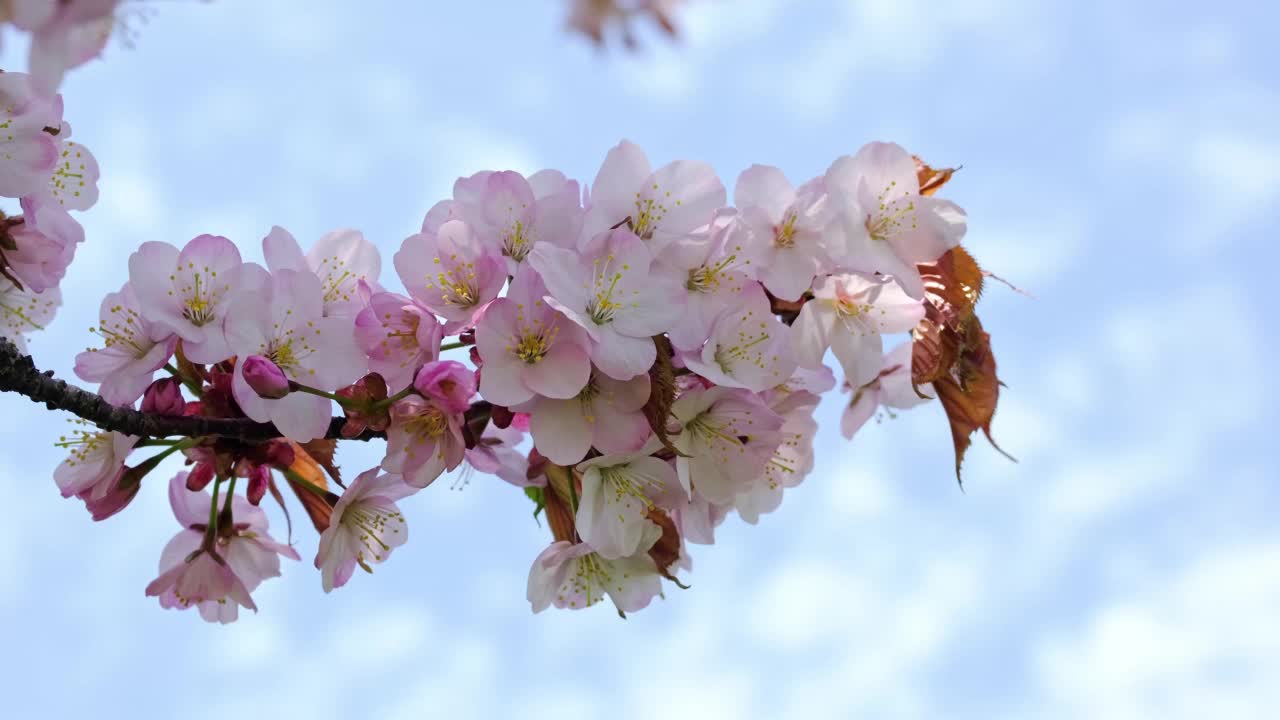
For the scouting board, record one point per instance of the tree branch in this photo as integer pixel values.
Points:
(18, 374)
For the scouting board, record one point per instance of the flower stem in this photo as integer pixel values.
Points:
(452, 345)
(344, 402)
(385, 403)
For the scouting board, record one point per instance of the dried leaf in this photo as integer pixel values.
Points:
(321, 450)
(952, 351)
(662, 393)
(930, 178)
(559, 503)
(970, 392)
(319, 505)
(665, 552)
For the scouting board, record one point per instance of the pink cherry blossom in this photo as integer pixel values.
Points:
(748, 348)
(448, 383)
(399, 335)
(529, 348)
(284, 322)
(609, 291)
(365, 527)
(575, 576)
(133, 349)
(220, 576)
(74, 181)
(605, 414)
(891, 388)
(23, 311)
(342, 259)
(665, 204)
(710, 270)
(495, 453)
(45, 240)
(64, 35)
(849, 313)
(698, 519)
(617, 493)
(97, 458)
(189, 290)
(790, 462)
(28, 154)
(784, 230)
(451, 273)
(423, 441)
(727, 435)
(510, 214)
(887, 226)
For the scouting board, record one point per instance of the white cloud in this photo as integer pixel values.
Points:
(1203, 641)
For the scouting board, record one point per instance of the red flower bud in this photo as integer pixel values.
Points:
(164, 397)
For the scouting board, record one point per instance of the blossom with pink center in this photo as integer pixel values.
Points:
(23, 312)
(528, 347)
(134, 348)
(188, 291)
(28, 153)
(495, 453)
(342, 259)
(727, 435)
(510, 213)
(215, 574)
(97, 458)
(748, 348)
(364, 528)
(74, 180)
(44, 243)
(605, 414)
(399, 335)
(448, 383)
(849, 313)
(451, 272)
(64, 34)
(891, 389)
(659, 205)
(574, 576)
(618, 491)
(423, 441)
(784, 230)
(709, 270)
(609, 291)
(284, 322)
(886, 225)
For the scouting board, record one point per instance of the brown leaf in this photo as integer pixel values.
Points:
(559, 502)
(665, 552)
(930, 178)
(970, 392)
(321, 450)
(662, 393)
(319, 505)
(952, 351)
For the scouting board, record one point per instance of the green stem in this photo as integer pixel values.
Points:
(306, 484)
(388, 402)
(344, 402)
(212, 533)
(452, 346)
(188, 383)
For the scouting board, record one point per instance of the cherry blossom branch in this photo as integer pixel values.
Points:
(19, 374)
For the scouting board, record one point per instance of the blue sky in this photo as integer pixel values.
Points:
(1122, 163)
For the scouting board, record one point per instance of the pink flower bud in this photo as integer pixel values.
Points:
(265, 377)
(199, 476)
(164, 397)
(259, 479)
(447, 382)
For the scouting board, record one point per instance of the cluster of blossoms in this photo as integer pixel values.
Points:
(48, 175)
(644, 359)
(64, 34)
